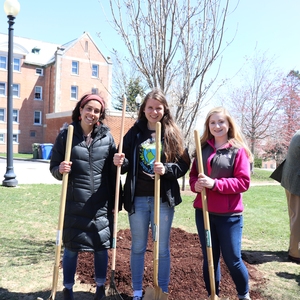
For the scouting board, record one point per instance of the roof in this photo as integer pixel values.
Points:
(36, 52)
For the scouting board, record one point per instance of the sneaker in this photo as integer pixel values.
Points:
(68, 294)
(100, 292)
(137, 298)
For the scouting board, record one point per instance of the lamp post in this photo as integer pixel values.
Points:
(138, 101)
(11, 8)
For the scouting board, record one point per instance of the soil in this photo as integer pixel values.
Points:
(186, 280)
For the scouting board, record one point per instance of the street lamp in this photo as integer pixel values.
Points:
(11, 8)
(138, 100)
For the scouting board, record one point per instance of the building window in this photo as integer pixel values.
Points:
(74, 92)
(3, 63)
(95, 71)
(38, 93)
(95, 91)
(2, 114)
(16, 115)
(17, 65)
(75, 67)
(39, 71)
(2, 89)
(15, 138)
(1, 137)
(16, 90)
(86, 46)
(32, 133)
(37, 117)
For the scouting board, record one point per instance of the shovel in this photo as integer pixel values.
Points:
(112, 293)
(156, 293)
(61, 216)
(210, 260)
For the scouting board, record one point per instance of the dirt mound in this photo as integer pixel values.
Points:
(186, 269)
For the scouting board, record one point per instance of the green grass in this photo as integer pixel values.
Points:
(29, 217)
(19, 155)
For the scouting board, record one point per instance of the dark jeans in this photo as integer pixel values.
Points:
(70, 264)
(226, 237)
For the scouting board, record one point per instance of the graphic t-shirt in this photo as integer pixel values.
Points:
(147, 155)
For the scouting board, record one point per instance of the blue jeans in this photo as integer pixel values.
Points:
(70, 264)
(139, 226)
(226, 237)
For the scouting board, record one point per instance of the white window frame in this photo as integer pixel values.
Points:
(15, 115)
(95, 71)
(75, 67)
(38, 117)
(15, 138)
(2, 138)
(17, 64)
(74, 92)
(16, 90)
(39, 71)
(3, 61)
(38, 90)
(4, 89)
(4, 114)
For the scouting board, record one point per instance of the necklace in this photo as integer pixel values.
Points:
(217, 148)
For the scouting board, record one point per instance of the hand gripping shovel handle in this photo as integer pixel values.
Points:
(61, 214)
(206, 222)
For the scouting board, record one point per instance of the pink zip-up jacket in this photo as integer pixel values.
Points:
(230, 167)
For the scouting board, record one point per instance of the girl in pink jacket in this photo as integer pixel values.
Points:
(226, 163)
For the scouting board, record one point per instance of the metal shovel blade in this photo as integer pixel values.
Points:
(155, 293)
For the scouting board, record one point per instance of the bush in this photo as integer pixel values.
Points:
(257, 162)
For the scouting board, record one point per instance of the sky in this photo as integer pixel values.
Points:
(265, 25)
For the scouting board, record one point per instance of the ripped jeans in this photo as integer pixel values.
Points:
(139, 226)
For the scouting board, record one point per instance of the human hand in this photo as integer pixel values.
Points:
(159, 168)
(118, 159)
(65, 167)
(204, 182)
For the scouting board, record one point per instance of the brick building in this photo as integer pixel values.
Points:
(48, 80)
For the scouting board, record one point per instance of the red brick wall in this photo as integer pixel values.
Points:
(113, 122)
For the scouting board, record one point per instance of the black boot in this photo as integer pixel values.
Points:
(100, 292)
(68, 294)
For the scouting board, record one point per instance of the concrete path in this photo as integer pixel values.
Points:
(29, 171)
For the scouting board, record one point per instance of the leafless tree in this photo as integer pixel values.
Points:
(256, 99)
(173, 44)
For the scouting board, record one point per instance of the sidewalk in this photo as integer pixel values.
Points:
(33, 171)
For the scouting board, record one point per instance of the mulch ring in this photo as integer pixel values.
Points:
(186, 280)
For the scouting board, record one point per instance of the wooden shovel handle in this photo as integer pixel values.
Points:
(206, 220)
(117, 191)
(156, 205)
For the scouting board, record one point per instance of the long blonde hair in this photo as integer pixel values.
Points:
(235, 136)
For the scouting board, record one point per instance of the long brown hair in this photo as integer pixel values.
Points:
(173, 140)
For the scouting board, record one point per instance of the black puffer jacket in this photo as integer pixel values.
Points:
(90, 193)
(170, 190)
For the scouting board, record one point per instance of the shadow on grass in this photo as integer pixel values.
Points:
(8, 295)
(25, 251)
(260, 257)
(289, 276)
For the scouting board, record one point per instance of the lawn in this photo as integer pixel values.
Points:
(28, 221)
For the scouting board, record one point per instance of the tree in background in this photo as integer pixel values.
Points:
(287, 121)
(173, 44)
(132, 89)
(256, 101)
